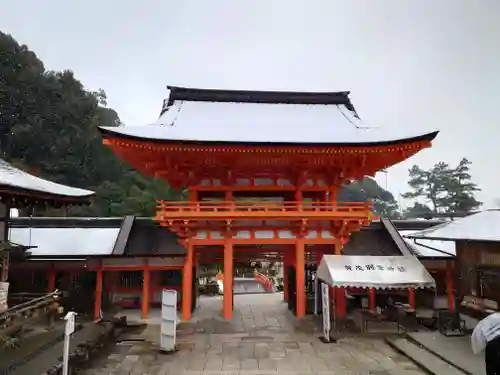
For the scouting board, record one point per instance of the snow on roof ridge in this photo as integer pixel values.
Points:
(17, 178)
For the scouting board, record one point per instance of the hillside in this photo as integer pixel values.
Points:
(48, 128)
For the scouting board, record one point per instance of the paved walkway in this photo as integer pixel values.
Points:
(262, 338)
(456, 350)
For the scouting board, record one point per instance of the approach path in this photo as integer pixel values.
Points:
(262, 338)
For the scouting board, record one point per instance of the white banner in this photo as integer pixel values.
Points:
(367, 271)
(325, 295)
(4, 292)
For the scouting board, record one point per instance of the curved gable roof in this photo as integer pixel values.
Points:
(14, 181)
(263, 117)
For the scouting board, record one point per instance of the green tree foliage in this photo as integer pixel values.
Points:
(418, 210)
(368, 190)
(445, 189)
(49, 123)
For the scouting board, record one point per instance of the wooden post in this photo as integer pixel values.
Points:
(98, 295)
(4, 265)
(227, 304)
(145, 294)
(286, 264)
(340, 299)
(372, 301)
(52, 279)
(411, 297)
(333, 195)
(298, 198)
(228, 280)
(4, 236)
(300, 277)
(450, 286)
(341, 302)
(196, 261)
(187, 283)
(319, 257)
(193, 195)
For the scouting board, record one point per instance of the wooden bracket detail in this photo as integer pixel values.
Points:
(229, 231)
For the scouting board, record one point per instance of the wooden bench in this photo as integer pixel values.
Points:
(370, 316)
(478, 308)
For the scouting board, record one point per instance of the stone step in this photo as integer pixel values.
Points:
(422, 357)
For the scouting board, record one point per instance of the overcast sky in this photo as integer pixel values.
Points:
(412, 64)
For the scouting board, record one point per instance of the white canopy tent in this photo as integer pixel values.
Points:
(380, 272)
(366, 271)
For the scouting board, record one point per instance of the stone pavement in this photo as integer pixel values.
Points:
(262, 338)
(456, 350)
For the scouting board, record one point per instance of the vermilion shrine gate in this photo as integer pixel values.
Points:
(263, 170)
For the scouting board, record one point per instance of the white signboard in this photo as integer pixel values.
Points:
(68, 331)
(4, 292)
(70, 323)
(168, 320)
(326, 310)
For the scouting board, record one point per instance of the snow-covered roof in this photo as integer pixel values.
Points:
(429, 248)
(66, 242)
(481, 226)
(265, 117)
(14, 178)
(366, 271)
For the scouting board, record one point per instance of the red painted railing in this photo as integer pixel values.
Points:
(266, 281)
(168, 210)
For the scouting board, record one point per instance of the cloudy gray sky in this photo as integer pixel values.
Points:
(413, 64)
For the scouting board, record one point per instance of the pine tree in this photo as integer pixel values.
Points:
(461, 190)
(429, 185)
(447, 190)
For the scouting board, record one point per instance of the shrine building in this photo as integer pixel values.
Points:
(19, 189)
(263, 171)
(109, 265)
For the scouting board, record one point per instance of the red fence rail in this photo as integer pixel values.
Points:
(168, 211)
(166, 207)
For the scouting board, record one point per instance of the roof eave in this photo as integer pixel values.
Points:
(35, 196)
(437, 238)
(109, 132)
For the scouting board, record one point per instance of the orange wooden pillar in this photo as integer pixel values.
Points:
(227, 309)
(145, 294)
(340, 302)
(52, 280)
(196, 261)
(187, 283)
(300, 277)
(371, 296)
(450, 286)
(98, 295)
(411, 298)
